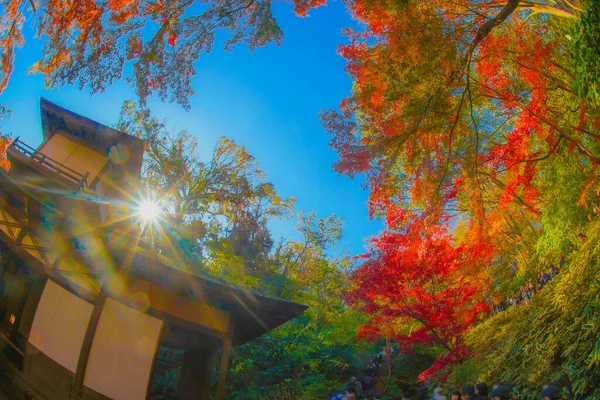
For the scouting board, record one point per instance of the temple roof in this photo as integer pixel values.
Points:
(89, 133)
(254, 314)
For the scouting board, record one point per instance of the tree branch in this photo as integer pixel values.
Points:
(486, 28)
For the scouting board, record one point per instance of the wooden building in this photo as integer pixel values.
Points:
(86, 311)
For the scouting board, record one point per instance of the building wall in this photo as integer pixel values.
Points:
(53, 324)
(59, 326)
(16, 314)
(74, 156)
(49, 379)
(122, 353)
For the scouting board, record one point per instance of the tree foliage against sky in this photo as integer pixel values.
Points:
(420, 289)
(460, 116)
(4, 139)
(440, 102)
(151, 44)
(210, 207)
(476, 125)
(216, 221)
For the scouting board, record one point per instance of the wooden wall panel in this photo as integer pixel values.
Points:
(59, 325)
(122, 353)
(59, 148)
(74, 156)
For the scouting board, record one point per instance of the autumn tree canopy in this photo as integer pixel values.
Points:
(151, 44)
(4, 139)
(460, 115)
(419, 288)
(438, 86)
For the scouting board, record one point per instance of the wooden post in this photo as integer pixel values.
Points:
(196, 372)
(224, 363)
(86, 346)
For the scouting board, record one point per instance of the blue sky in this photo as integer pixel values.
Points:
(268, 101)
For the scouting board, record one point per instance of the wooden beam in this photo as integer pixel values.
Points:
(224, 363)
(88, 339)
(39, 266)
(21, 235)
(56, 263)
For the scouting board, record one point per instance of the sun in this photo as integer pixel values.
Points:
(149, 210)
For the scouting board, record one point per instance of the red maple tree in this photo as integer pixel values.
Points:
(413, 275)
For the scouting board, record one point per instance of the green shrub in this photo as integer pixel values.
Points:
(585, 51)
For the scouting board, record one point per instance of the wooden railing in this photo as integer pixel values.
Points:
(62, 170)
(12, 375)
(13, 378)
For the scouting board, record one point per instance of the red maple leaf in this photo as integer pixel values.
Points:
(171, 39)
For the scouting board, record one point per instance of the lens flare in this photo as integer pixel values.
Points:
(149, 210)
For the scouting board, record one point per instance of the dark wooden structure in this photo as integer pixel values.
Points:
(86, 311)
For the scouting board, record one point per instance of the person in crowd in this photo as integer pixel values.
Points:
(540, 282)
(437, 394)
(370, 370)
(553, 272)
(455, 395)
(550, 392)
(375, 361)
(530, 290)
(468, 392)
(384, 353)
(350, 394)
(481, 390)
(367, 383)
(500, 392)
(363, 383)
(356, 387)
(561, 261)
(405, 397)
(546, 277)
(338, 396)
(394, 350)
(376, 396)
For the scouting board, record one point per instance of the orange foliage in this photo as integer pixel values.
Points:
(4, 143)
(442, 113)
(449, 119)
(88, 42)
(301, 7)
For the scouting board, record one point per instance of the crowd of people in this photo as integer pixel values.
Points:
(500, 391)
(363, 388)
(528, 291)
(359, 388)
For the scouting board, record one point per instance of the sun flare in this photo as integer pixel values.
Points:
(149, 210)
